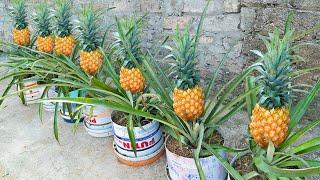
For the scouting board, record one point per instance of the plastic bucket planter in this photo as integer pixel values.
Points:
(49, 106)
(149, 144)
(183, 168)
(31, 94)
(65, 114)
(98, 121)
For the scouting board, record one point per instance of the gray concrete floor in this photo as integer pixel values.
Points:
(28, 149)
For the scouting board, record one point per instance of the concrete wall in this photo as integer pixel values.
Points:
(228, 22)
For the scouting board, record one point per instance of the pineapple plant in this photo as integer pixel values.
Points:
(270, 116)
(45, 39)
(131, 78)
(188, 95)
(65, 42)
(21, 32)
(91, 57)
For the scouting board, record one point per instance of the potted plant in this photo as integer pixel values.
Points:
(22, 37)
(194, 146)
(64, 43)
(274, 149)
(138, 140)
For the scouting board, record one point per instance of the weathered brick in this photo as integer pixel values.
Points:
(229, 22)
(172, 21)
(248, 16)
(313, 5)
(172, 7)
(197, 6)
(231, 6)
(150, 6)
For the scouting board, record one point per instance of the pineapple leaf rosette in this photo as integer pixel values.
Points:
(277, 149)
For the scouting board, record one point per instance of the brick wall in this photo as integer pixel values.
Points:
(228, 22)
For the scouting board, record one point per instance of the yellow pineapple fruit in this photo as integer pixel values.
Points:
(21, 32)
(188, 104)
(45, 44)
(91, 61)
(65, 45)
(91, 57)
(45, 40)
(65, 41)
(131, 78)
(270, 117)
(21, 36)
(188, 96)
(269, 125)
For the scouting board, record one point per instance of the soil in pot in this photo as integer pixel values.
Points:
(186, 151)
(120, 118)
(244, 165)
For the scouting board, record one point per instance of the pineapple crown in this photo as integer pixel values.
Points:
(275, 71)
(42, 19)
(184, 54)
(63, 18)
(89, 27)
(131, 29)
(18, 13)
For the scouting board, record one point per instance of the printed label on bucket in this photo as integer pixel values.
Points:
(149, 138)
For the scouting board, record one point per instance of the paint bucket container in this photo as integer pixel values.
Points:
(49, 106)
(149, 144)
(184, 168)
(98, 121)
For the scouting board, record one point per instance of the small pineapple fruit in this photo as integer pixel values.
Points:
(91, 58)
(188, 95)
(131, 78)
(21, 32)
(45, 40)
(65, 41)
(270, 117)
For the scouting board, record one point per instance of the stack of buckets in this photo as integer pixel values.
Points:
(97, 121)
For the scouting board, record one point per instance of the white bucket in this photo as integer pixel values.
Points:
(99, 115)
(184, 168)
(31, 94)
(149, 139)
(49, 106)
(99, 131)
(97, 121)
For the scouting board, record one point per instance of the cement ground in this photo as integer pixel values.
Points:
(28, 149)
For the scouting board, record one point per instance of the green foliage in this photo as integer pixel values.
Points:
(131, 27)
(89, 26)
(63, 15)
(18, 13)
(42, 18)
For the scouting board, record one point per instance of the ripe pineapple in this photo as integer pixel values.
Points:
(270, 117)
(21, 32)
(65, 41)
(188, 95)
(91, 58)
(131, 78)
(45, 40)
